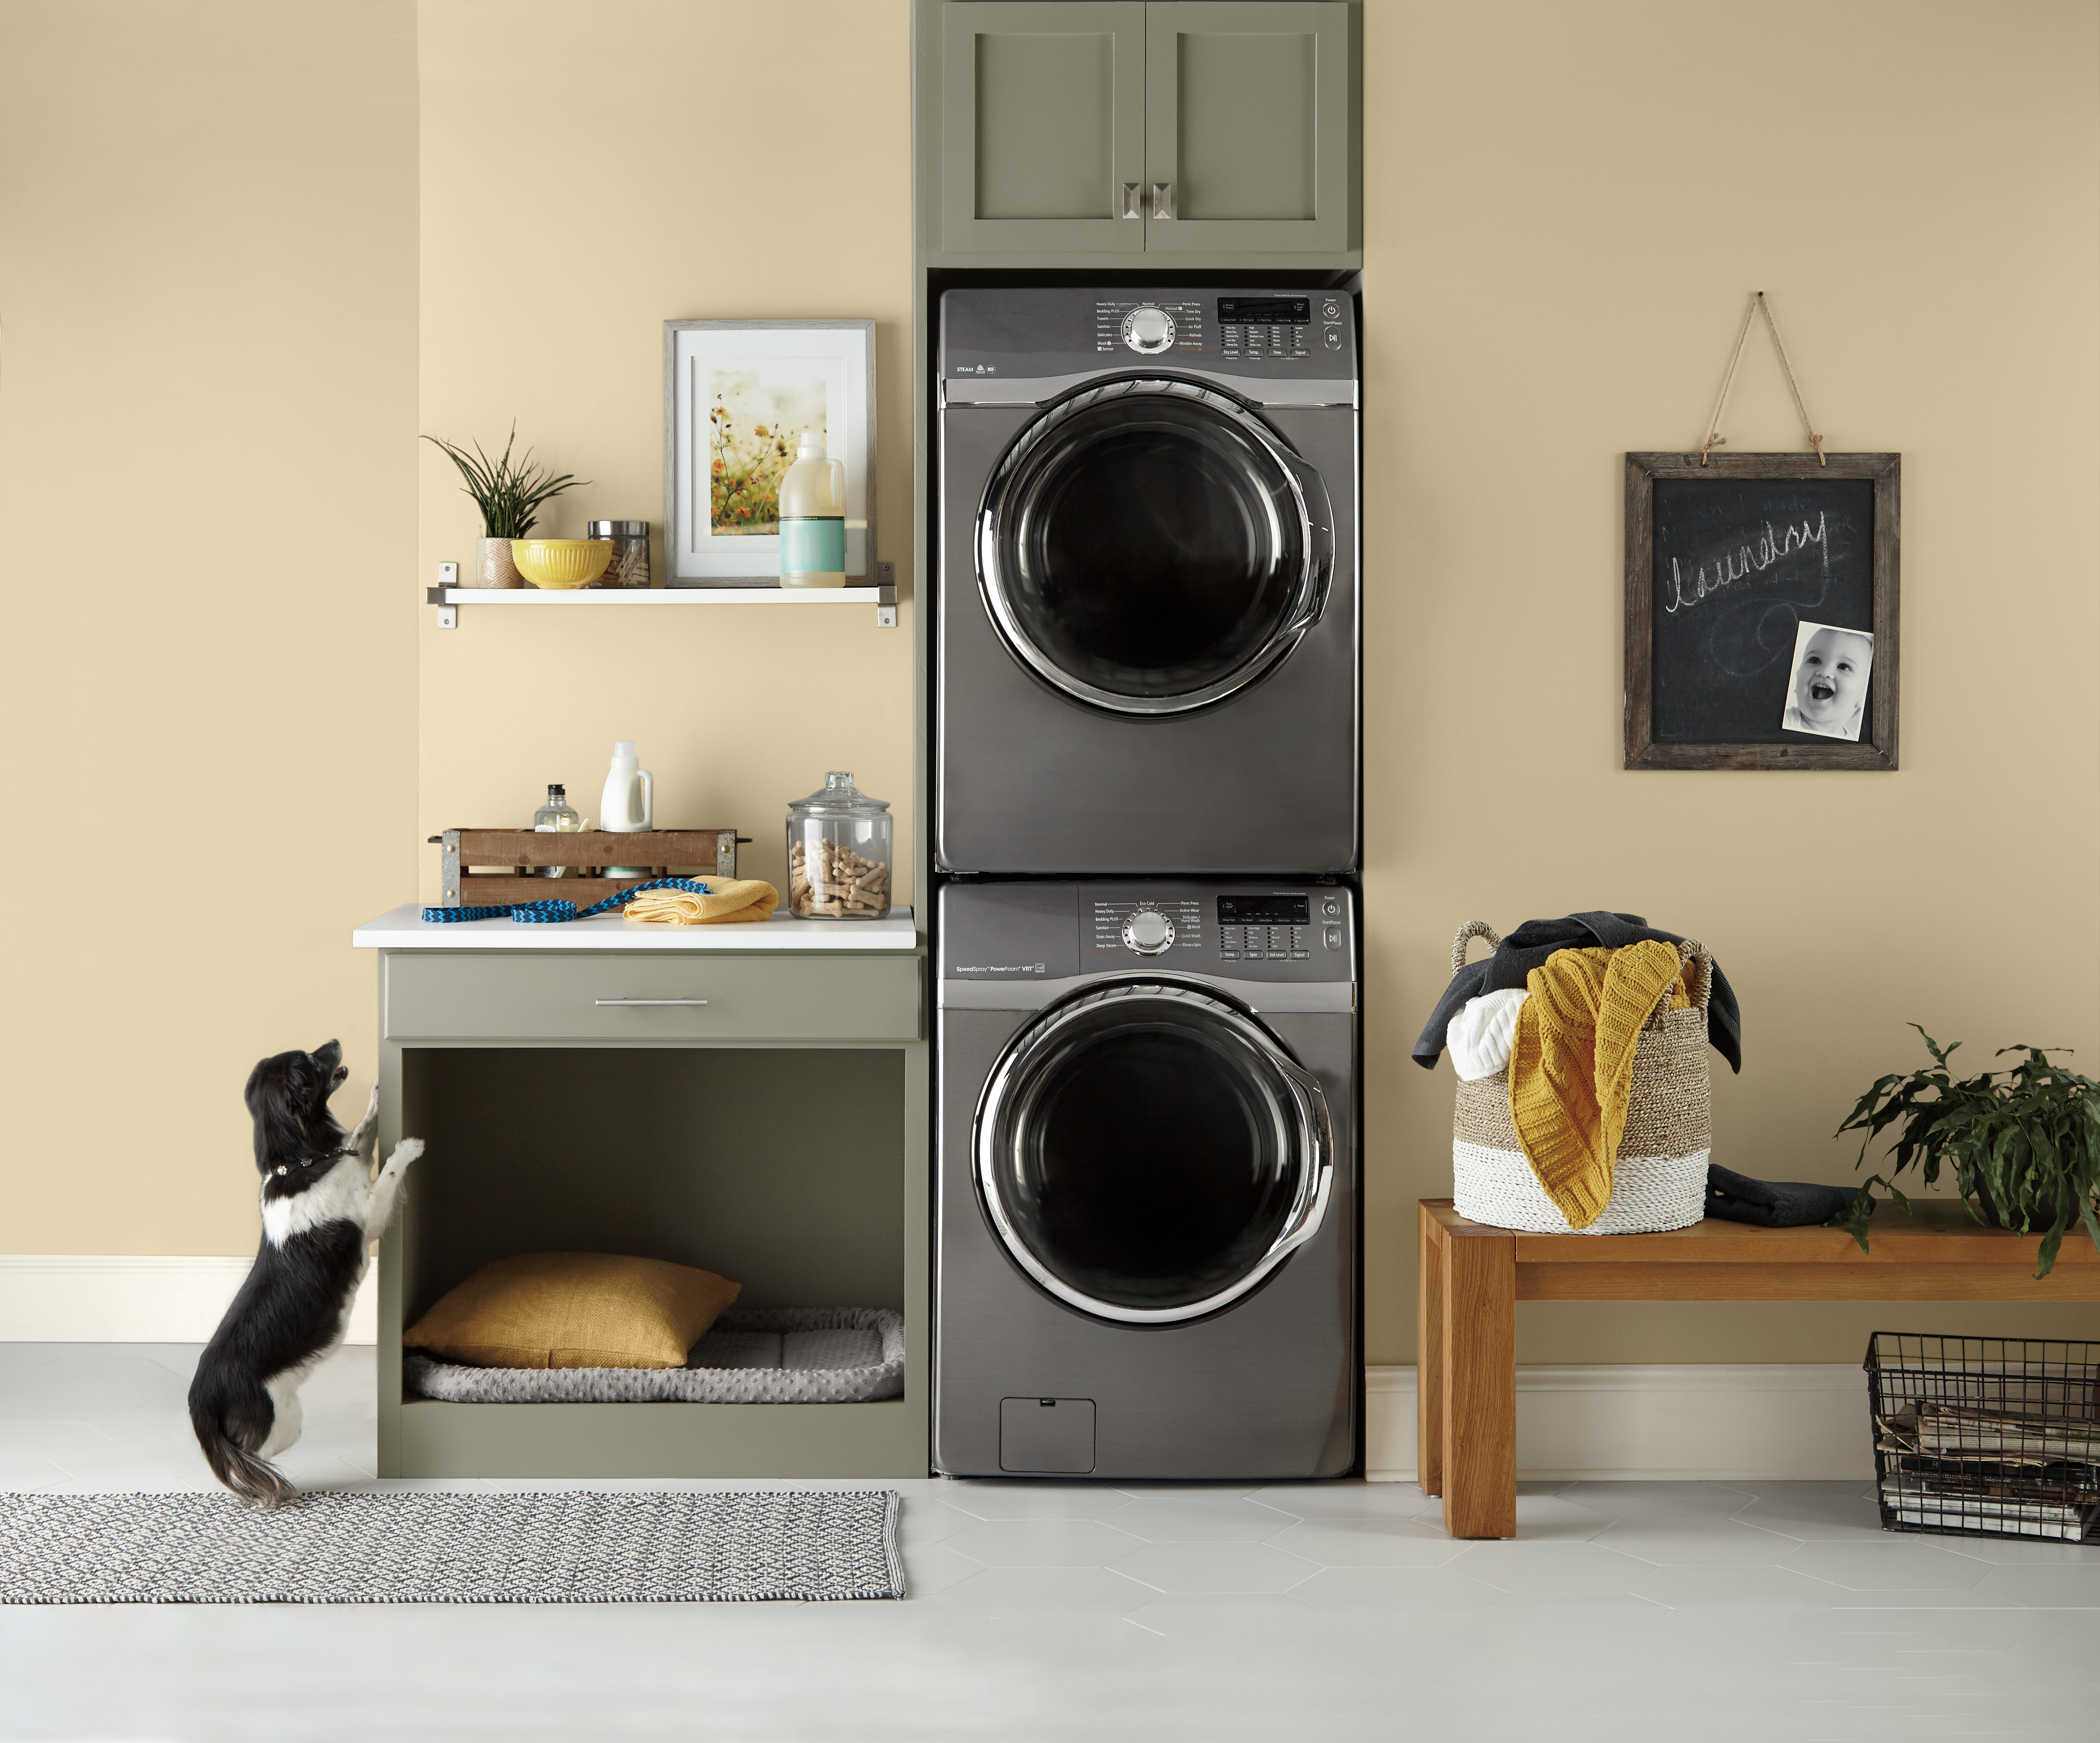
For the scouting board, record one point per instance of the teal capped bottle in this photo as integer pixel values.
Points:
(813, 517)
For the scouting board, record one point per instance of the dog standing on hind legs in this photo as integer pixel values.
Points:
(322, 1206)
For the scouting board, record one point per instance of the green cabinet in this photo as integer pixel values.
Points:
(1176, 127)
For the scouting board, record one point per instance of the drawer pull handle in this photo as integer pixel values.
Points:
(652, 1001)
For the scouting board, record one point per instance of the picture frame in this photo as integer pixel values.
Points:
(737, 392)
(1725, 561)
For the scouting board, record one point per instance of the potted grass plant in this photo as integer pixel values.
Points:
(2024, 1142)
(509, 494)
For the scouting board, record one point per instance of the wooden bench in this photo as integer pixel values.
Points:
(1473, 1276)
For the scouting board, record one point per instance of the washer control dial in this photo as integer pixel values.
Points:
(1148, 329)
(1148, 932)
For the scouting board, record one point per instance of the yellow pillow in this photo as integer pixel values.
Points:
(574, 1310)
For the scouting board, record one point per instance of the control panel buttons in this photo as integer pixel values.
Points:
(1148, 932)
(1334, 339)
(1148, 329)
(1330, 308)
(1331, 907)
(1331, 937)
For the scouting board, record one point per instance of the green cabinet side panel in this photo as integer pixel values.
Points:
(1042, 126)
(1248, 111)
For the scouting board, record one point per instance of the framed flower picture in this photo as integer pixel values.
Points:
(737, 396)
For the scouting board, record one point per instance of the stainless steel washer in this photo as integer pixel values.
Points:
(1146, 631)
(1146, 1235)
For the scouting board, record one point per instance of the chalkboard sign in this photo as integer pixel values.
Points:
(1760, 611)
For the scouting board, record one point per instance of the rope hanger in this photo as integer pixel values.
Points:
(1715, 438)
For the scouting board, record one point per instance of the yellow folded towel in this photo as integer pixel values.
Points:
(728, 900)
(1571, 1069)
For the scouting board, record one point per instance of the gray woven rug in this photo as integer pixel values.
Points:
(335, 1547)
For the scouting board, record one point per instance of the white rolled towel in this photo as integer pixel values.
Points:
(1482, 1034)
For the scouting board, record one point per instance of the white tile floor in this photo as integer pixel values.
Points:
(1623, 1611)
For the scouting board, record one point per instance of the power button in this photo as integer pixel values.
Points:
(1330, 310)
(1331, 907)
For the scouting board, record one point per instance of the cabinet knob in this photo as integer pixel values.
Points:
(1162, 199)
(1129, 193)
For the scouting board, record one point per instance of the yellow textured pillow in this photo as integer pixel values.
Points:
(574, 1310)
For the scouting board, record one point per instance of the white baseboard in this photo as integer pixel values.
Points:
(130, 1297)
(1798, 1422)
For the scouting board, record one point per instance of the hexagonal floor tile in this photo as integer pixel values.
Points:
(1346, 1588)
(1184, 1518)
(1042, 1543)
(1816, 1512)
(1345, 1499)
(1698, 1541)
(1005, 1498)
(1237, 1616)
(1635, 1499)
(1215, 1567)
(1369, 1543)
(1740, 1588)
(1893, 1564)
(1516, 1565)
(1015, 1590)
(2053, 1588)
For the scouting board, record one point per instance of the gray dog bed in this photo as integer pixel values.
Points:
(750, 1355)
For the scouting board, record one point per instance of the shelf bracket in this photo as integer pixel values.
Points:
(447, 613)
(885, 604)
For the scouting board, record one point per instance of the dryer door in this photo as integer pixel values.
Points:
(1152, 546)
(1149, 1152)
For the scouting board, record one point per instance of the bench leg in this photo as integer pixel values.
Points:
(1479, 1468)
(1430, 1243)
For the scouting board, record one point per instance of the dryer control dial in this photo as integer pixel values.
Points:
(1148, 932)
(1148, 329)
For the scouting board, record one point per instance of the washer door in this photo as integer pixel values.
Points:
(1149, 1152)
(1151, 546)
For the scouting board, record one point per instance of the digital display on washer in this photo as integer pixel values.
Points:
(1265, 311)
(1264, 911)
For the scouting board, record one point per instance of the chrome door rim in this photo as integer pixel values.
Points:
(1315, 1135)
(1316, 531)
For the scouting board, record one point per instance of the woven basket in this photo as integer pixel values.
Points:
(1659, 1181)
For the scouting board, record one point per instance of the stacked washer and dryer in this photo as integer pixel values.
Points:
(1144, 682)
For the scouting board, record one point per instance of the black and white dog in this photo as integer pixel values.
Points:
(321, 1206)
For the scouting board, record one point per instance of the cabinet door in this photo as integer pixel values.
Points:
(1247, 125)
(1043, 126)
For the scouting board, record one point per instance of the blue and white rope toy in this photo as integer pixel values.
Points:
(555, 910)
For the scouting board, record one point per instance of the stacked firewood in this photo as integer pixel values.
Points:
(836, 883)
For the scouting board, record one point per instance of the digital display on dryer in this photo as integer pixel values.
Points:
(1265, 311)
(1264, 911)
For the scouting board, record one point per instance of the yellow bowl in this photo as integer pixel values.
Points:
(561, 562)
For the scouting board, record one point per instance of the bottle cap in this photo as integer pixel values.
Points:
(555, 792)
(623, 748)
(811, 445)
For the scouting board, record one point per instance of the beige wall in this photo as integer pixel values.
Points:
(207, 382)
(656, 174)
(1565, 208)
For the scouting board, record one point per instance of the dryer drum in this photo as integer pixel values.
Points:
(1148, 1153)
(1153, 546)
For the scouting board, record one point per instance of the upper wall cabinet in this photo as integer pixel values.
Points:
(1183, 127)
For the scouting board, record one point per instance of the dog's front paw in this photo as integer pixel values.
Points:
(405, 1152)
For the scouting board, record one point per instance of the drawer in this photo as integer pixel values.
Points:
(584, 998)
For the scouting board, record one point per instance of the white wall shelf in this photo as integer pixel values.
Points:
(448, 599)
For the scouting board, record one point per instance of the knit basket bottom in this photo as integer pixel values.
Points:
(1649, 1193)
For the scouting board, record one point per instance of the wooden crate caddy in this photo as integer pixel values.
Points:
(705, 852)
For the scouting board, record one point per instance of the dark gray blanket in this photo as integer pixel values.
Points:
(1528, 946)
(1772, 1204)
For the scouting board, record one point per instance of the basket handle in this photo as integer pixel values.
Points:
(1692, 954)
(1473, 929)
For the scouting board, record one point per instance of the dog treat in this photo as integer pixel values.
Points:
(836, 883)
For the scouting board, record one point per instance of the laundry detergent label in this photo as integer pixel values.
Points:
(813, 545)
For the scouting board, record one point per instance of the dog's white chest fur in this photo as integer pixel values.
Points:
(343, 1194)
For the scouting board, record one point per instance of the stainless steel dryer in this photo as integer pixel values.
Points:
(1146, 1215)
(1145, 630)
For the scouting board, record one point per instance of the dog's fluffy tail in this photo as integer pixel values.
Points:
(225, 1416)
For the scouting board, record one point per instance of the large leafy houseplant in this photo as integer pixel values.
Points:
(2024, 1142)
(508, 493)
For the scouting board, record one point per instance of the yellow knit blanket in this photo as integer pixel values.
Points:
(728, 900)
(1571, 1069)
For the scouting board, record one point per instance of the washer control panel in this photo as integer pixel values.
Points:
(1150, 327)
(1144, 926)
(1248, 932)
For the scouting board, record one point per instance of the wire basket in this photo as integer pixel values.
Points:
(1986, 1437)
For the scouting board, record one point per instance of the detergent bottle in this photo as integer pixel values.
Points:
(813, 517)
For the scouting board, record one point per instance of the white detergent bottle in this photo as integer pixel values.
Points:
(628, 802)
(813, 517)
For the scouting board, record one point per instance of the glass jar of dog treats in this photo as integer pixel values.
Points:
(838, 854)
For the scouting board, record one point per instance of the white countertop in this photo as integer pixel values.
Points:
(406, 929)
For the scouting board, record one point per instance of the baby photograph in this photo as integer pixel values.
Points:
(1827, 691)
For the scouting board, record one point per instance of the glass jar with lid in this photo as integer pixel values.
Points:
(838, 853)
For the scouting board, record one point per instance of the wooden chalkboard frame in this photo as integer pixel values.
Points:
(1643, 752)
